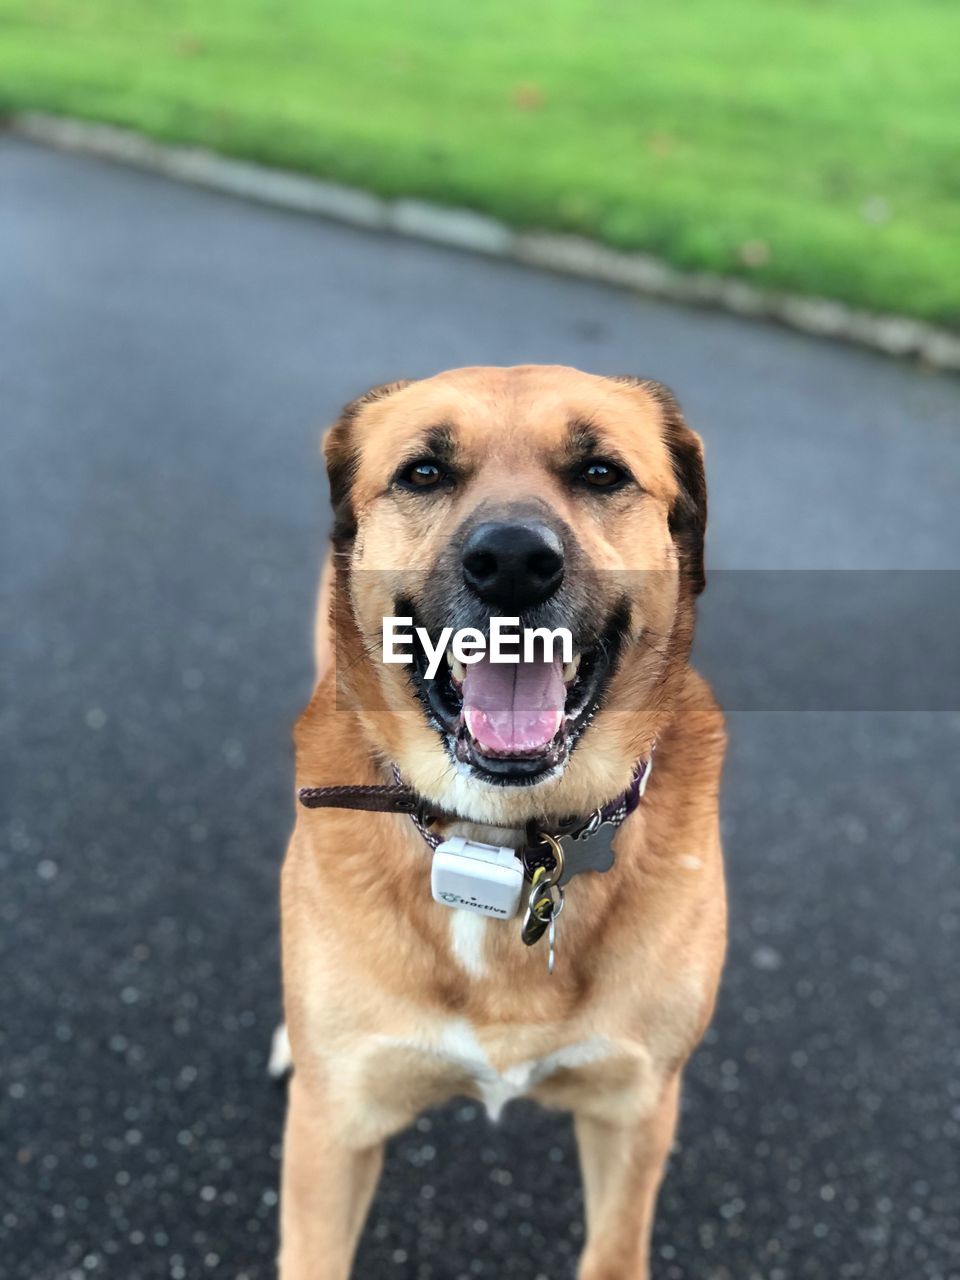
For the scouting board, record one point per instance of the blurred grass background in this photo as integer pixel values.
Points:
(812, 145)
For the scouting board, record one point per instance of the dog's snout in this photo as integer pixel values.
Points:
(512, 564)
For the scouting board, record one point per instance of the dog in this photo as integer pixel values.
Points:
(564, 500)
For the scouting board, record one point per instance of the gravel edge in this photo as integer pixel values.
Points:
(892, 335)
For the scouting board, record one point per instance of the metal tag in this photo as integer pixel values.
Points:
(552, 944)
(590, 851)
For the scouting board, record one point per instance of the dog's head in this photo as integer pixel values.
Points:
(543, 493)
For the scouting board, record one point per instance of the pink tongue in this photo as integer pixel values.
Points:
(513, 708)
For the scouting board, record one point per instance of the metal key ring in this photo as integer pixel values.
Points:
(545, 893)
(553, 877)
(558, 905)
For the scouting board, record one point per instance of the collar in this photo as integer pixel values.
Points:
(587, 841)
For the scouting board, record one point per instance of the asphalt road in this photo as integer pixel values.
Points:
(167, 357)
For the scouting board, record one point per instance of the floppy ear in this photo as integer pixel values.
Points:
(688, 514)
(340, 453)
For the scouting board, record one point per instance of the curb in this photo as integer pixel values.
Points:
(892, 335)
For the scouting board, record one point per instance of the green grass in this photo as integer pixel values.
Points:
(818, 140)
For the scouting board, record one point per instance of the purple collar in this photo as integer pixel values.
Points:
(587, 843)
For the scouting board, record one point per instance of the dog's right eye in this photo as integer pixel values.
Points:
(423, 474)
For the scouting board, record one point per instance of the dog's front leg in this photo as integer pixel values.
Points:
(622, 1165)
(326, 1190)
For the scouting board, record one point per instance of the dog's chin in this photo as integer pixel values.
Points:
(442, 701)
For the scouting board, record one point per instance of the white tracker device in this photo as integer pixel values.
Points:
(484, 878)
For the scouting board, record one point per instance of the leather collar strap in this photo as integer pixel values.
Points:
(371, 799)
(579, 833)
(374, 799)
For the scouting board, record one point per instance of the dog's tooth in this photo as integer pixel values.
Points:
(570, 669)
(457, 669)
(468, 719)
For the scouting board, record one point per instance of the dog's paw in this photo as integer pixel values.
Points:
(280, 1063)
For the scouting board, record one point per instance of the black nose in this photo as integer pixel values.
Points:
(512, 564)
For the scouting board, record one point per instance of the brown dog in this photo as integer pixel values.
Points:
(566, 500)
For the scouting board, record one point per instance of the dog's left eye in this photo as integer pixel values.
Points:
(423, 474)
(598, 473)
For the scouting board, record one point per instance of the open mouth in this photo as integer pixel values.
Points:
(516, 723)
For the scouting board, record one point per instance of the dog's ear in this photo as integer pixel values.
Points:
(340, 450)
(688, 515)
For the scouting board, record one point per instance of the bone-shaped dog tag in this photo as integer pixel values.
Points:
(591, 851)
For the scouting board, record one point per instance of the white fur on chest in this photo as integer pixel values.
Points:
(457, 1044)
(468, 941)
